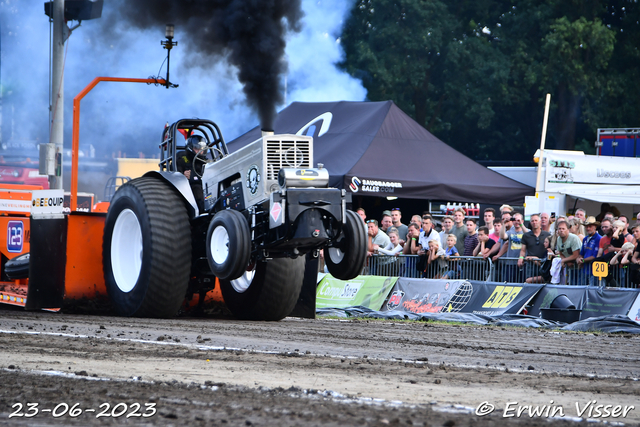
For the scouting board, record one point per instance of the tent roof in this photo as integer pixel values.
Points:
(365, 144)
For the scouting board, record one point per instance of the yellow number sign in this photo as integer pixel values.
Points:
(600, 269)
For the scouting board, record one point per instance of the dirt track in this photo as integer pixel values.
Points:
(307, 372)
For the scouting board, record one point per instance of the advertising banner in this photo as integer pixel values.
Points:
(427, 295)
(496, 299)
(634, 311)
(603, 302)
(366, 291)
(577, 295)
(600, 178)
(573, 167)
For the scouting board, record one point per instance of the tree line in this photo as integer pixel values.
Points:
(476, 73)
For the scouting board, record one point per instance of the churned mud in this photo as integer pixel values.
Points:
(205, 371)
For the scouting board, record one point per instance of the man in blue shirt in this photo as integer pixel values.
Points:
(589, 250)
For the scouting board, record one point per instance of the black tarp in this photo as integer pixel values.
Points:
(607, 324)
(383, 152)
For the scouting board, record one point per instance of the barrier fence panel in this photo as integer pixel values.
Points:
(414, 266)
(503, 270)
(507, 270)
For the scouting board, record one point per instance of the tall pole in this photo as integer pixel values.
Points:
(543, 139)
(57, 92)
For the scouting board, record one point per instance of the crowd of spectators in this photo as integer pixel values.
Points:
(546, 249)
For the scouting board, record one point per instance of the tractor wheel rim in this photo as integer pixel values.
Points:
(242, 283)
(220, 245)
(336, 255)
(126, 250)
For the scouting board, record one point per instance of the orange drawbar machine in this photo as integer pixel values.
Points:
(65, 248)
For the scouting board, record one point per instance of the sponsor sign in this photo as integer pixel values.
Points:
(366, 291)
(574, 168)
(84, 202)
(634, 311)
(15, 236)
(577, 295)
(604, 302)
(46, 202)
(428, 295)
(15, 205)
(496, 299)
(593, 301)
(372, 185)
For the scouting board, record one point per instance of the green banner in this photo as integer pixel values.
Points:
(366, 291)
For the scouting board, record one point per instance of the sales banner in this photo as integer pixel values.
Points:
(365, 291)
(427, 295)
(604, 302)
(576, 294)
(496, 299)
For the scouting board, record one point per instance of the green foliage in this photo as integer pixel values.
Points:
(476, 73)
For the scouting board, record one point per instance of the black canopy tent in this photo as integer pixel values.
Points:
(375, 149)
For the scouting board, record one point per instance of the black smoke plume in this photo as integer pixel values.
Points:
(250, 34)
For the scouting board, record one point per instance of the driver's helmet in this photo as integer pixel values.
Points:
(197, 144)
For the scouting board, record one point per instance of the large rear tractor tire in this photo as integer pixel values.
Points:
(346, 259)
(147, 249)
(269, 290)
(228, 244)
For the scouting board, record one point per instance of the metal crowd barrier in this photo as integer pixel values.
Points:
(503, 270)
(468, 268)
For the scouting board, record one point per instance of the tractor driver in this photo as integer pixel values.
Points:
(190, 163)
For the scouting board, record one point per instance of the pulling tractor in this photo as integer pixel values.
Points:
(265, 207)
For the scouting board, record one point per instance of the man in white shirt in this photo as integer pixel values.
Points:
(427, 233)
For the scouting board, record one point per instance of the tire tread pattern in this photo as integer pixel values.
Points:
(355, 249)
(169, 251)
(273, 293)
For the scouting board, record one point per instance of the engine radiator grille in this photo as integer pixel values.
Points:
(287, 153)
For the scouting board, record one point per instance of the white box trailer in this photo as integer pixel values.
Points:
(569, 180)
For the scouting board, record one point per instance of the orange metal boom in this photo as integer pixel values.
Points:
(73, 202)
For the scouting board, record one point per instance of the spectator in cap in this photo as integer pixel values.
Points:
(386, 222)
(589, 250)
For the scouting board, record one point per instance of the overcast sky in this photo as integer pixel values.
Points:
(118, 115)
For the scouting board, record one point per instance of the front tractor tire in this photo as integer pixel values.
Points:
(228, 244)
(268, 290)
(147, 249)
(346, 259)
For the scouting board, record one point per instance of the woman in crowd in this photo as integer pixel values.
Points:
(576, 227)
(394, 247)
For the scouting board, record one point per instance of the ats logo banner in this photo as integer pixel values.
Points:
(502, 296)
(15, 236)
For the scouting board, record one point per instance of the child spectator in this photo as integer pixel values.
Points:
(454, 269)
(436, 262)
(483, 248)
(471, 241)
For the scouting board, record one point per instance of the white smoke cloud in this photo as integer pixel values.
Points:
(130, 117)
